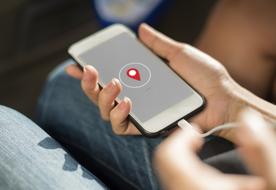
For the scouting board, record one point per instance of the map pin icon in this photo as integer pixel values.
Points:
(134, 74)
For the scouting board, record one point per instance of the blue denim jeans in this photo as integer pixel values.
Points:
(31, 159)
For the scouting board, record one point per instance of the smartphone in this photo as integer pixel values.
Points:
(160, 98)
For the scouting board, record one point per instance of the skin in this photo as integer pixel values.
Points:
(241, 35)
(178, 167)
(225, 98)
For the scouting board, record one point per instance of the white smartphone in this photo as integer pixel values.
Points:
(160, 98)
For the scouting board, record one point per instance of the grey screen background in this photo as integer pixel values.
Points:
(165, 88)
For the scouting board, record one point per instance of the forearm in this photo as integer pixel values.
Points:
(244, 98)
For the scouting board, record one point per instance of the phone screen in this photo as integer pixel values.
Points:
(150, 84)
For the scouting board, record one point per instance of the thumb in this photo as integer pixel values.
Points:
(241, 182)
(160, 44)
(74, 71)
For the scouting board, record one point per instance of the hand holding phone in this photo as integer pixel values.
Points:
(198, 69)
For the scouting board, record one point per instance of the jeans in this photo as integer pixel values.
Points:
(31, 159)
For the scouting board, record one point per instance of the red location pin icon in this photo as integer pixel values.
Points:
(133, 73)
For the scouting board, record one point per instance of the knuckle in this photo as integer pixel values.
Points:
(94, 99)
(92, 94)
(102, 100)
(177, 49)
(113, 116)
(179, 46)
(118, 121)
(102, 94)
(105, 98)
(104, 116)
(116, 129)
(85, 89)
(184, 48)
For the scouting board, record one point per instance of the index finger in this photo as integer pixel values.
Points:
(74, 71)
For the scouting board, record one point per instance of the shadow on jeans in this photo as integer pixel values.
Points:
(70, 164)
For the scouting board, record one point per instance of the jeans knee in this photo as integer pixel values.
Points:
(9, 116)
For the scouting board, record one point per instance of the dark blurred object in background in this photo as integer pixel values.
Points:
(35, 35)
(32, 29)
(130, 12)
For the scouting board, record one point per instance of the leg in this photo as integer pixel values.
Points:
(30, 159)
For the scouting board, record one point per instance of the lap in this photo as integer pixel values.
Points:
(31, 159)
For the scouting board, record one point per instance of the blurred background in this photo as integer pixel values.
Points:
(35, 36)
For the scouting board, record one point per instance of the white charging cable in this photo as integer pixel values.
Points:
(183, 124)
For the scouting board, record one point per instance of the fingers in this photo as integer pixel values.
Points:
(89, 83)
(179, 168)
(74, 71)
(176, 162)
(159, 43)
(257, 145)
(119, 119)
(187, 137)
(177, 152)
(107, 97)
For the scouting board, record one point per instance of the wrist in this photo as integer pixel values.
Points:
(236, 103)
(239, 99)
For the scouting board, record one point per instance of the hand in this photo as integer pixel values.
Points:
(105, 99)
(205, 74)
(179, 168)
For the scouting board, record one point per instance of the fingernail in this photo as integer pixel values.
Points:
(115, 81)
(111, 86)
(146, 25)
(123, 104)
(85, 77)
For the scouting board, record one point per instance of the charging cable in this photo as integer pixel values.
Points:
(183, 124)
